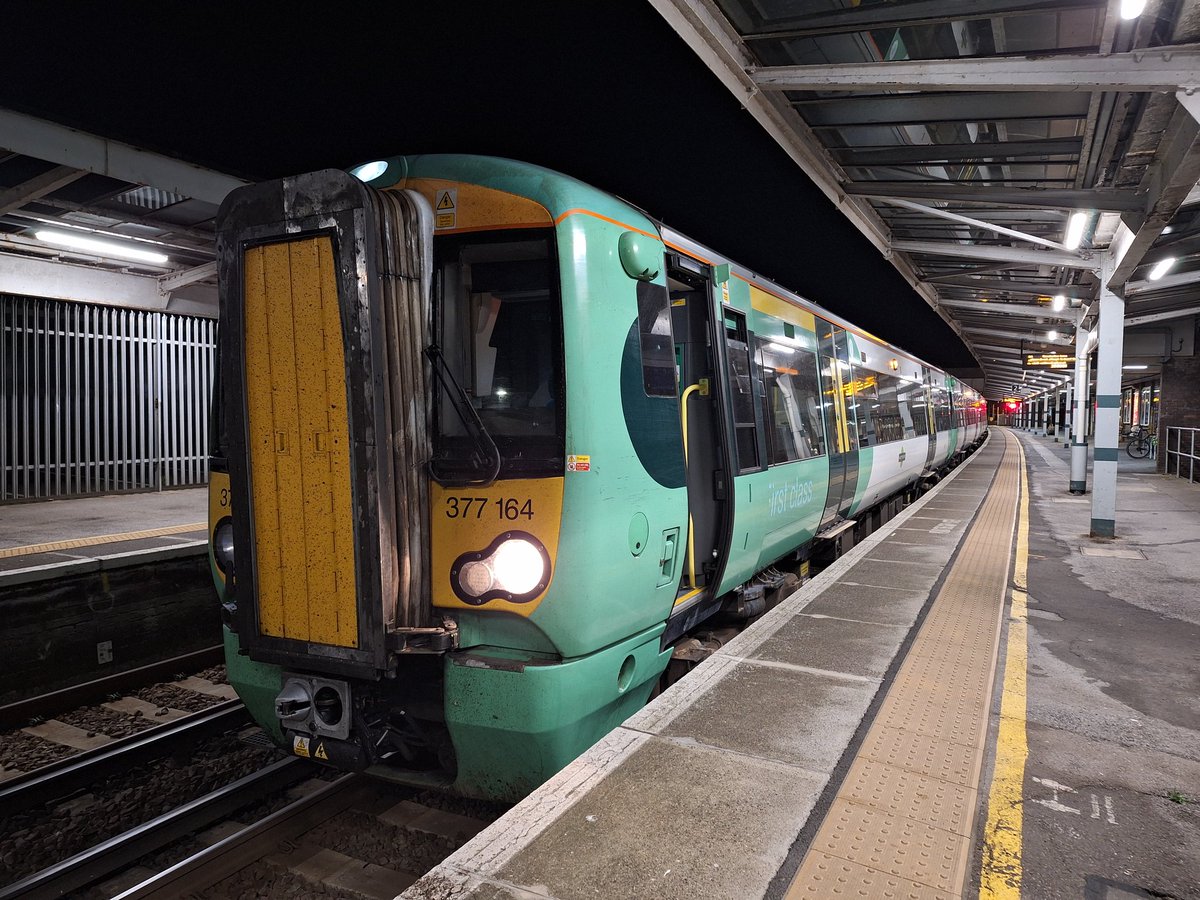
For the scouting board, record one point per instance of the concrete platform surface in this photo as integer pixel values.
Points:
(55, 538)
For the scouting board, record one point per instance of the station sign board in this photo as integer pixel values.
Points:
(1049, 360)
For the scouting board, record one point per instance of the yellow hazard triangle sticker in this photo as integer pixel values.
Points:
(321, 754)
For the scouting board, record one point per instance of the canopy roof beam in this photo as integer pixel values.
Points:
(974, 223)
(1102, 199)
(79, 150)
(999, 254)
(37, 187)
(1168, 69)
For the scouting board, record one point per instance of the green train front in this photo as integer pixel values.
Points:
(492, 441)
(400, 469)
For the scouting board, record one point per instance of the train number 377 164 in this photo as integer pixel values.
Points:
(510, 508)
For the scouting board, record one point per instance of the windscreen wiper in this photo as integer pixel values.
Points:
(485, 455)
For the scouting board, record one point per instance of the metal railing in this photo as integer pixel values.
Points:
(96, 399)
(1183, 452)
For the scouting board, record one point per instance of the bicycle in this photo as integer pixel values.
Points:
(1140, 442)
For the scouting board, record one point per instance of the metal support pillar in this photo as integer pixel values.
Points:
(1108, 406)
(1063, 433)
(1079, 450)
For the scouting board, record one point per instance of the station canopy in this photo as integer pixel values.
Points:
(963, 136)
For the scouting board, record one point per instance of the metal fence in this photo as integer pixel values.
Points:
(1183, 452)
(95, 399)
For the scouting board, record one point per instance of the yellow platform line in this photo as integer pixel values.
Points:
(902, 822)
(1000, 875)
(30, 549)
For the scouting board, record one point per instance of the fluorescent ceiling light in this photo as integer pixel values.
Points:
(1058, 302)
(1075, 230)
(1135, 368)
(98, 247)
(1161, 268)
(1131, 9)
(1052, 335)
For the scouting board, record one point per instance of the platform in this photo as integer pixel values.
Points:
(56, 538)
(977, 699)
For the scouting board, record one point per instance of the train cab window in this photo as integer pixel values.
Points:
(499, 327)
(791, 402)
(741, 391)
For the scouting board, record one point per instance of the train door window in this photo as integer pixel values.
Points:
(885, 410)
(498, 325)
(942, 418)
(862, 396)
(791, 402)
(657, 345)
(741, 391)
(911, 406)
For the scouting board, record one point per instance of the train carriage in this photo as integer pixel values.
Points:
(492, 443)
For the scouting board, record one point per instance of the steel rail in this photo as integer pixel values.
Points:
(20, 711)
(118, 852)
(249, 845)
(59, 779)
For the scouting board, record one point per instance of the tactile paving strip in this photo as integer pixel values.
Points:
(901, 823)
(30, 549)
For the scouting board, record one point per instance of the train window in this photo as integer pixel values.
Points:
(886, 420)
(498, 324)
(741, 391)
(861, 391)
(658, 348)
(913, 406)
(791, 402)
(942, 417)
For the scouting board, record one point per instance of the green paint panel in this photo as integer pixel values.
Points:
(774, 512)
(514, 729)
(257, 684)
(605, 594)
(1108, 401)
(1105, 454)
(866, 457)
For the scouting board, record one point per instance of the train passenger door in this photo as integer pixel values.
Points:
(709, 478)
(840, 427)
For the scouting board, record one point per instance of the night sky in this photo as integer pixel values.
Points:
(603, 91)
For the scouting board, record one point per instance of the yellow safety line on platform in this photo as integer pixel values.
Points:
(1000, 875)
(902, 822)
(30, 549)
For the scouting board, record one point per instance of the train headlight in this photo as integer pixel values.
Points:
(222, 544)
(515, 567)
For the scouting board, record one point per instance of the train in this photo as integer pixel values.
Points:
(492, 446)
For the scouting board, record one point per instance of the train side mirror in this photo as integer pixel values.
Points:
(641, 256)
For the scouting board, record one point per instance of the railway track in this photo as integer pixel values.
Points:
(60, 779)
(340, 837)
(122, 850)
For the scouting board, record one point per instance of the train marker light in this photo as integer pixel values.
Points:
(222, 545)
(369, 171)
